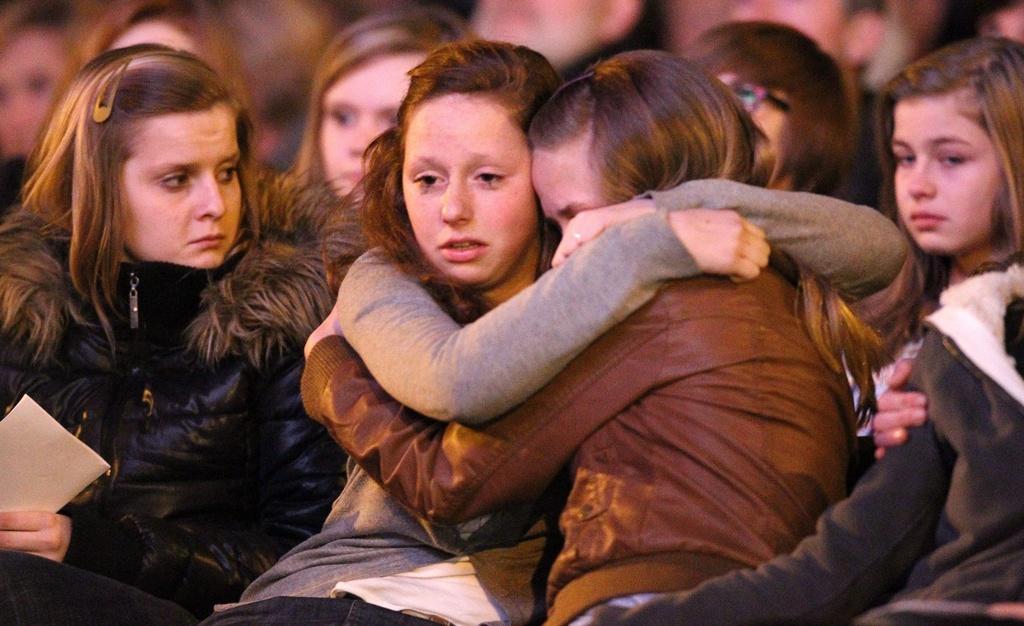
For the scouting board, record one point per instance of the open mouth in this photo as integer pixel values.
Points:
(462, 251)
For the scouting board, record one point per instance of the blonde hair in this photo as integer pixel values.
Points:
(75, 172)
(989, 72)
(372, 37)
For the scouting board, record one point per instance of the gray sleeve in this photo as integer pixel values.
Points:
(473, 373)
(854, 247)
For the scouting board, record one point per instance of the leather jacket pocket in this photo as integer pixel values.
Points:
(603, 518)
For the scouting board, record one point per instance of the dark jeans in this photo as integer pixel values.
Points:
(36, 591)
(313, 612)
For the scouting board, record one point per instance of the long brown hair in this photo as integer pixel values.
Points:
(816, 145)
(412, 29)
(75, 173)
(989, 72)
(514, 76)
(657, 121)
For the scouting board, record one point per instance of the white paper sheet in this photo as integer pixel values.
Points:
(42, 466)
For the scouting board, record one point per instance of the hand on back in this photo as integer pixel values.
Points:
(722, 242)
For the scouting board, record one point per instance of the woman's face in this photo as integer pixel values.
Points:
(357, 108)
(947, 178)
(466, 184)
(565, 179)
(30, 66)
(181, 190)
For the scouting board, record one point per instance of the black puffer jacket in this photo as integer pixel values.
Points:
(216, 469)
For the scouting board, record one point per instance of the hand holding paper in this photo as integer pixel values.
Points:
(36, 532)
(43, 466)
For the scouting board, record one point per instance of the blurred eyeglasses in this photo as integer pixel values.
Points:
(753, 96)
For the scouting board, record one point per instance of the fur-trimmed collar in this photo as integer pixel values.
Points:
(972, 315)
(267, 305)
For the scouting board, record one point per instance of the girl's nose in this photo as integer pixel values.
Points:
(456, 205)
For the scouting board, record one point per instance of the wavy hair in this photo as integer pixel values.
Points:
(514, 76)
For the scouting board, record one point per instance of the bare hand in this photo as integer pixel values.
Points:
(44, 534)
(897, 411)
(722, 242)
(586, 226)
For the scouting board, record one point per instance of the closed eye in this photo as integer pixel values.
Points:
(490, 179)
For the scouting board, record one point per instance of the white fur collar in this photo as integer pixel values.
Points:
(972, 316)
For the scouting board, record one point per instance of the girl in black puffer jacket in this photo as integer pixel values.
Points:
(154, 298)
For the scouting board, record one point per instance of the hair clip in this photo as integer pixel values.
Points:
(105, 102)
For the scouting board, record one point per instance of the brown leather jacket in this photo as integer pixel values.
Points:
(704, 434)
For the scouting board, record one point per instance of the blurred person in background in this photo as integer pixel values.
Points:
(279, 44)
(686, 20)
(571, 33)
(358, 86)
(849, 30)
(852, 32)
(797, 95)
(193, 26)
(34, 48)
(1001, 18)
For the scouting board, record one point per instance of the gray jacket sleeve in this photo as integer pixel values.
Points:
(854, 247)
(429, 363)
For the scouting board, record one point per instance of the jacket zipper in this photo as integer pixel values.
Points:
(109, 428)
(133, 303)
